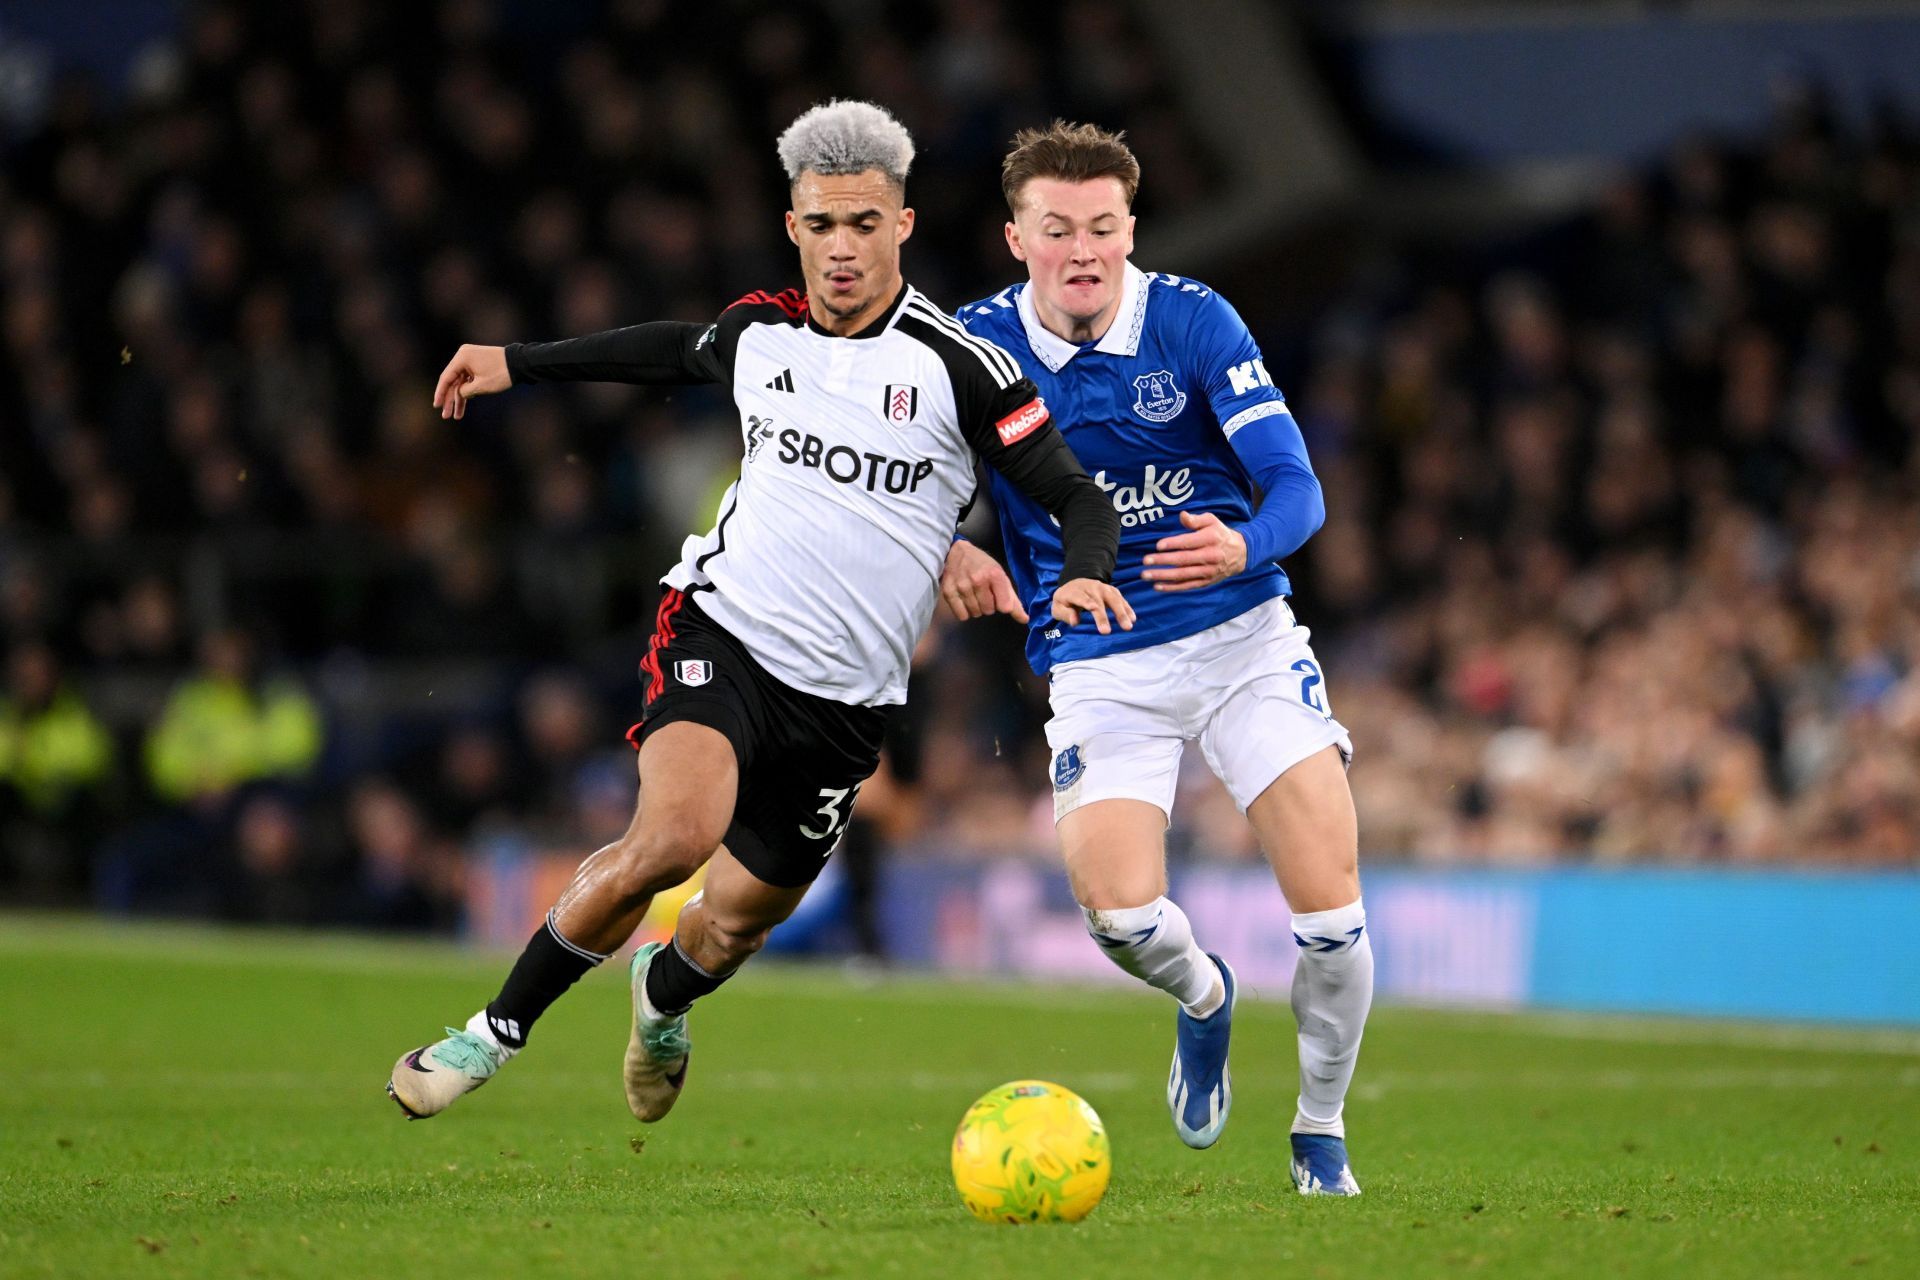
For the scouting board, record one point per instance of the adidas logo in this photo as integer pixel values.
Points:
(782, 383)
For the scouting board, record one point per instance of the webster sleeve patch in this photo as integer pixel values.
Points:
(1022, 422)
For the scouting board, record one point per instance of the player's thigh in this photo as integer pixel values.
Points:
(1271, 737)
(1265, 704)
(701, 730)
(1306, 824)
(689, 780)
(1113, 734)
(1115, 853)
(1116, 761)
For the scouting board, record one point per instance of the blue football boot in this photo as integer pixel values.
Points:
(1320, 1166)
(1200, 1089)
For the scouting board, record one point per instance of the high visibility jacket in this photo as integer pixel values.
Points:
(48, 754)
(216, 734)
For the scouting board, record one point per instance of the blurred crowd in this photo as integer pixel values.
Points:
(1623, 554)
(267, 619)
(1623, 550)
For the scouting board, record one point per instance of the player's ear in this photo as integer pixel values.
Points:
(904, 228)
(793, 227)
(1130, 222)
(1013, 243)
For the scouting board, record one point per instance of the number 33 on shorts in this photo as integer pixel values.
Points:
(835, 811)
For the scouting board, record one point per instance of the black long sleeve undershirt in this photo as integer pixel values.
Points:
(658, 353)
(1089, 529)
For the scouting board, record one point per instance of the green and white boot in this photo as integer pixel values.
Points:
(426, 1081)
(658, 1049)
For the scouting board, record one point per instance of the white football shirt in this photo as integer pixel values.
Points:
(858, 460)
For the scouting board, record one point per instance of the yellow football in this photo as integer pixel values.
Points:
(1031, 1151)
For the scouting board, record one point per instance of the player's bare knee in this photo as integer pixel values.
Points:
(1117, 884)
(735, 940)
(1118, 894)
(661, 855)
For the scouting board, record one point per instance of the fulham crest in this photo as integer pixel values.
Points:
(902, 403)
(693, 672)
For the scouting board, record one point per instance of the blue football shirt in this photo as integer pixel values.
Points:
(1170, 410)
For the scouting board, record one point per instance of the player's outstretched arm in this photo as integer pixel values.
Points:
(1012, 430)
(973, 585)
(659, 353)
(1007, 423)
(473, 371)
(1044, 468)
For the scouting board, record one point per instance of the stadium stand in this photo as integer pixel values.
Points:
(1622, 559)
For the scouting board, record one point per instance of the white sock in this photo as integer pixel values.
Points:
(1332, 990)
(1155, 944)
(479, 1025)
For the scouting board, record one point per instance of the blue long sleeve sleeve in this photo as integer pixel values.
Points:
(1292, 506)
(1262, 433)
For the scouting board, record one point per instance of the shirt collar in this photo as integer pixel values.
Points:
(1122, 337)
(879, 326)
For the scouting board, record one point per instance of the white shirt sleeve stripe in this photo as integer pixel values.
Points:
(924, 306)
(1005, 372)
(993, 370)
(999, 363)
(1245, 416)
(1000, 357)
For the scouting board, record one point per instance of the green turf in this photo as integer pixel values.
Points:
(184, 1103)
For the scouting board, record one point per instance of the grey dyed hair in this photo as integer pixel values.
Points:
(842, 137)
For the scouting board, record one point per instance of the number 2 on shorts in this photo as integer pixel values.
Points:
(1310, 679)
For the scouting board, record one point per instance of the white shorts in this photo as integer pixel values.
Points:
(1249, 690)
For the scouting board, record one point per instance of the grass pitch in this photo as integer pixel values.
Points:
(177, 1102)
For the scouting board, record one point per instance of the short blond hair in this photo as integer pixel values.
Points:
(1070, 153)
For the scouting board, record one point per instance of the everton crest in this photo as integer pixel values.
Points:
(1156, 398)
(1067, 768)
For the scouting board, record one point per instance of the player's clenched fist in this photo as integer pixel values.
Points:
(974, 585)
(1095, 598)
(473, 371)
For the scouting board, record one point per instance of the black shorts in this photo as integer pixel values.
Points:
(802, 757)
